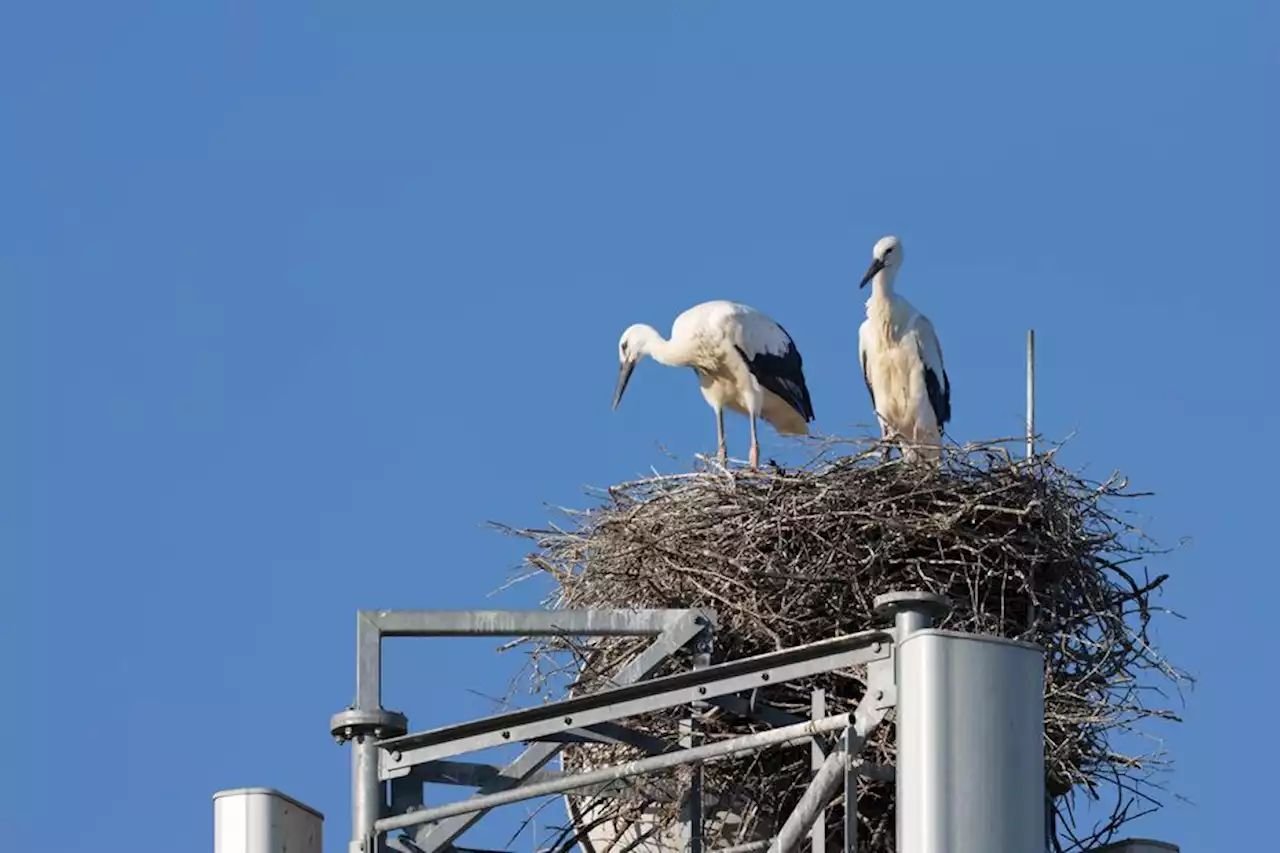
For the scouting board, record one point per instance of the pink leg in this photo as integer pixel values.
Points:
(755, 446)
(722, 452)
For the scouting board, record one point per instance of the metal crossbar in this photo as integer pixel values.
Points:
(710, 752)
(400, 754)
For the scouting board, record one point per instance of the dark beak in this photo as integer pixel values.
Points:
(875, 267)
(624, 376)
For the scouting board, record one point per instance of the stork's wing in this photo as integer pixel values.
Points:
(774, 360)
(862, 359)
(935, 374)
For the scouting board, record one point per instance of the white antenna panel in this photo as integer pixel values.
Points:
(263, 820)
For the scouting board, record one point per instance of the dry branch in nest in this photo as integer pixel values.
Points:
(1021, 546)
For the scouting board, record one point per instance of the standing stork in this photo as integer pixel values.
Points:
(902, 359)
(744, 360)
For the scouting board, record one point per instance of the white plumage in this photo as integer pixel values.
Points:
(744, 360)
(902, 360)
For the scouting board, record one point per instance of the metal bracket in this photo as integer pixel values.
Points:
(672, 630)
(911, 610)
(374, 722)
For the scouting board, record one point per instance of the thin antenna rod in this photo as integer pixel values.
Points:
(1031, 391)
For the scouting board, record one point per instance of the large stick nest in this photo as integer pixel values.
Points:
(1022, 547)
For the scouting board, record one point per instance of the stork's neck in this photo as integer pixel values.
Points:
(880, 304)
(882, 285)
(663, 351)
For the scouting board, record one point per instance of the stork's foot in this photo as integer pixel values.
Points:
(755, 458)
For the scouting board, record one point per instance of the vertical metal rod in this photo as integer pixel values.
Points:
(366, 793)
(692, 737)
(366, 787)
(907, 622)
(817, 756)
(850, 792)
(1031, 392)
(1031, 433)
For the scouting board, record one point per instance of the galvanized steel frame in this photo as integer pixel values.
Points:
(365, 723)
(384, 752)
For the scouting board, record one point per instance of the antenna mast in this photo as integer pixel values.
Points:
(1031, 391)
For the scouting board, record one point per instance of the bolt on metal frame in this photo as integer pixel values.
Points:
(385, 755)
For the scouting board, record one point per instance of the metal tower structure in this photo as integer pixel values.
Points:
(965, 703)
(969, 720)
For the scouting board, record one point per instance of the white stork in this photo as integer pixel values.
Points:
(902, 359)
(744, 360)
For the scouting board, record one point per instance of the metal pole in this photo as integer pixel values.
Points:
(692, 731)
(366, 792)
(820, 792)
(1031, 392)
(363, 725)
(850, 794)
(817, 758)
(798, 733)
(1031, 432)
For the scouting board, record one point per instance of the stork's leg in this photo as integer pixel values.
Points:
(722, 452)
(755, 445)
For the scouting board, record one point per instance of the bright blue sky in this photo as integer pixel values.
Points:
(298, 295)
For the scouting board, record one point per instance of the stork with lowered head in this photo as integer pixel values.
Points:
(745, 361)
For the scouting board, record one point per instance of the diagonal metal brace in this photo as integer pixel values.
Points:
(716, 751)
(397, 755)
(612, 733)
(670, 640)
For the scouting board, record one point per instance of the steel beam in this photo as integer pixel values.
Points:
(368, 663)
(400, 754)
(691, 818)
(373, 625)
(850, 791)
(368, 794)
(818, 763)
(707, 753)
(526, 623)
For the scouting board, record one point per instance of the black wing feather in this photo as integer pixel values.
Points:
(783, 375)
(939, 395)
(866, 377)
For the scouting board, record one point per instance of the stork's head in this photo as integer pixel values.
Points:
(885, 255)
(632, 346)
